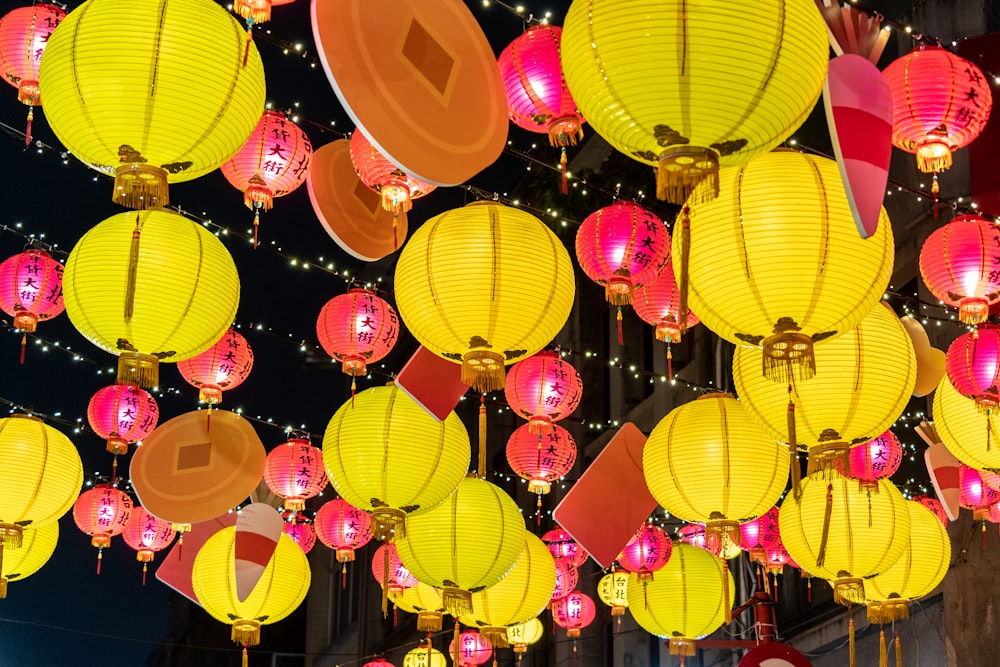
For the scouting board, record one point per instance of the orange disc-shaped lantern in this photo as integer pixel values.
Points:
(295, 472)
(397, 188)
(225, 365)
(102, 512)
(574, 612)
(541, 458)
(543, 388)
(147, 535)
(356, 329)
(957, 267)
(342, 527)
(31, 287)
(24, 32)
(122, 413)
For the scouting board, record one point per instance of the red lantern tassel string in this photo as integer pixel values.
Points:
(793, 445)
(670, 363)
(562, 164)
(395, 226)
(100, 557)
(144, 568)
(620, 342)
(343, 576)
(27, 129)
(256, 225)
(935, 188)
(24, 342)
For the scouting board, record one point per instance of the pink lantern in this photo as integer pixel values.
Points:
(658, 303)
(973, 366)
(225, 365)
(934, 505)
(147, 535)
(778, 558)
(343, 528)
(356, 329)
(564, 547)
(876, 459)
(295, 472)
(622, 246)
(543, 388)
(122, 414)
(31, 287)
(299, 528)
(257, 11)
(567, 577)
(102, 512)
(397, 188)
(473, 649)
(978, 490)
(758, 534)
(541, 458)
(956, 263)
(647, 551)
(693, 534)
(24, 32)
(574, 612)
(390, 572)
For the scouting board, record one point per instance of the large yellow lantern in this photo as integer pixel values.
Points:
(776, 261)
(844, 533)
(466, 544)
(972, 437)
(484, 285)
(150, 286)
(688, 599)
(691, 84)
(424, 601)
(863, 381)
(151, 91)
(281, 588)
(918, 571)
(520, 596)
(37, 545)
(706, 461)
(386, 455)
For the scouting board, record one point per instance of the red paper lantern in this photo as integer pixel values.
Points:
(541, 458)
(778, 558)
(342, 527)
(564, 547)
(300, 528)
(295, 472)
(757, 535)
(102, 512)
(147, 535)
(622, 246)
(879, 457)
(257, 11)
(24, 32)
(473, 649)
(567, 577)
(225, 365)
(31, 286)
(658, 303)
(273, 162)
(973, 366)
(538, 99)
(543, 388)
(379, 662)
(574, 612)
(956, 263)
(356, 329)
(399, 578)
(978, 490)
(934, 505)
(647, 551)
(941, 102)
(122, 414)
(397, 188)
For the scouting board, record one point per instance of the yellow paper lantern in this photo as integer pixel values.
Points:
(863, 381)
(706, 461)
(465, 544)
(918, 571)
(484, 285)
(281, 588)
(37, 545)
(150, 286)
(694, 84)
(520, 596)
(386, 455)
(522, 635)
(151, 91)
(612, 589)
(972, 437)
(866, 531)
(776, 261)
(425, 656)
(424, 601)
(686, 600)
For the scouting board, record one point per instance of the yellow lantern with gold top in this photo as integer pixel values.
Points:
(776, 260)
(484, 285)
(706, 461)
(844, 533)
(425, 656)
(151, 92)
(682, 85)
(424, 601)
(281, 589)
(37, 545)
(150, 286)
(522, 635)
(972, 437)
(612, 589)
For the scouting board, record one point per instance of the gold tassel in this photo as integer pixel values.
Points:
(385, 581)
(883, 653)
(246, 632)
(483, 370)
(139, 185)
(455, 644)
(458, 602)
(681, 169)
(726, 599)
(793, 445)
(138, 370)
(564, 185)
(497, 636)
(682, 646)
(429, 621)
(388, 523)
(3, 588)
(27, 129)
(899, 650)
(481, 469)
(132, 271)
(827, 515)
(246, 659)
(619, 319)
(850, 630)
(682, 281)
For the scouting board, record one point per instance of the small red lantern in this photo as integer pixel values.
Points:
(273, 162)
(473, 649)
(379, 662)
(102, 512)
(300, 528)
(257, 11)
(621, 247)
(658, 303)
(541, 458)
(24, 32)
(397, 188)
(386, 562)
(295, 472)
(973, 366)
(978, 491)
(343, 528)
(574, 612)
(567, 577)
(122, 414)
(873, 460)
(225, 365)
(647, 551)
(759, 534)
(356, 329)
(147, 535)
(956, 263)
(543, 388)
(31, 287)
(564, 547)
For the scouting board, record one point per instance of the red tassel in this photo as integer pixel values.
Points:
(538, 511)
(256, 224)
(809, 590)
(395, 226)
(562, 163)
(935, 188)
(343, 576)
(100, 557)
(24, 341)
(27, 130)
(670, 364)
(143, 574)
(620, 326)
(354, 388)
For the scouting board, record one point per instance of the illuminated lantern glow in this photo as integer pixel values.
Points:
(934, 505)
(562, 546)
(960, 425)
(818, 283)
(574, 612)
(973, 366)
(295, 472)
(102, 512)
(122, 414)
(867, 531)
(647, 551)
(37, 546)
(31, 284)
(940, 103)
(778, 558)
(379, 662)
(879, 457)
(281, 589)
(541, 458)
(695, 534)
(567, 577)
(522, 635)
(978, 491)
(300, 529)
(756, 535)
(473, 649)
(342, 527)
(150, 287)
(257, 11)
(424, 601)
(622, 246)
(147, 535)
(543, 388)
(356, 329)
(955, 263)
(223, 366)
(397, 188)
(612, 589)
(484, 285)
(24, 33)
(659, 303)
(425, 656)
(386, 561)
(716, 102)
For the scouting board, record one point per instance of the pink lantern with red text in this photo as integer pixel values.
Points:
(658, 303)
(564, 547)
(122, 414)
(778, 558)
(574, 612)
(223, 366)
(541, 458)
(147, 534)
(973, 366)
(102, 512)
(543, 388)
(386, 562)
(978, 490)
(934, 505)
(876, 459)
(295, 472)
(956, 263)
(473, 649)
(31, 289)
(567, 577)
(298, 527)
(379, 662)
(24, 32)
(342, 527)
(647, 551)
(356, 329)
(396, 187)
(758, 534)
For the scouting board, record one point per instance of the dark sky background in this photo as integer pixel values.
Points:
(66, 614)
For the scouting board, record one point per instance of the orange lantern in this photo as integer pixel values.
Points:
(356, 329)
(295, 472)
(225, 365)
(397, 188)
(147, 535)
(102, 512)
